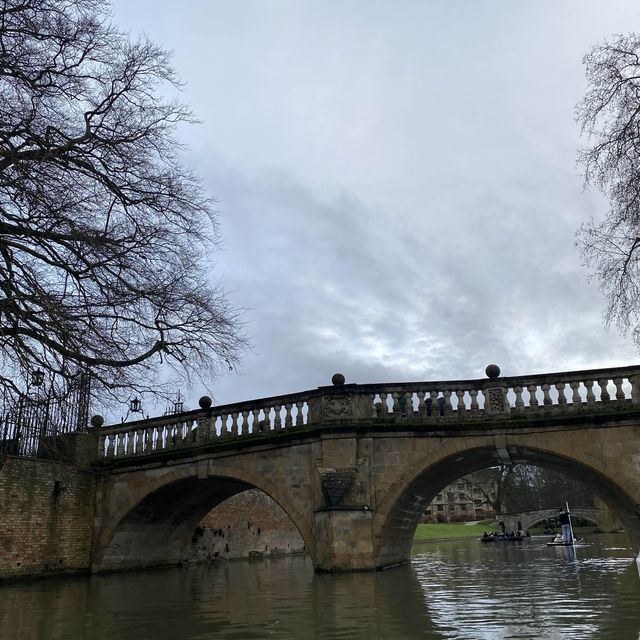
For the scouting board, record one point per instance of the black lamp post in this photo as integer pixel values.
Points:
(37, 377)
(135, 405)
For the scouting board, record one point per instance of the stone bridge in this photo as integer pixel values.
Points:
(354, 465)
(529, 519)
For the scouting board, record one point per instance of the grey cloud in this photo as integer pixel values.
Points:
(397, 189)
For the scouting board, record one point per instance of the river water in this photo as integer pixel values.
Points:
(459, 589)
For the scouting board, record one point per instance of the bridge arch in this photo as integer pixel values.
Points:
(153, 523)
(535, 520)
(401, 509)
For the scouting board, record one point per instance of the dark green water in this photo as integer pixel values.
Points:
(455, 589)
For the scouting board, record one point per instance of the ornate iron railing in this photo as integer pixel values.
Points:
(32, 425)
(419, 403)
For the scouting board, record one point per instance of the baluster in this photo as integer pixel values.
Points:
(395, 409)
(604, 394)
(475, 407)
(224, 429)
(299, 415)
(278, 422)
(422, 405)
(562, 399)
(245, 422)
(255, 427)
(461, 408)
(102, 443)
(634, 389)
(293, 420)
(128, 443)
(533, 398)
(546, 397)
(446, 405)
(408, 403)
(385, 406)
(576, 400)
(236, 428)
(435, 409)
(288, 418)
(619, 391)
(120, 444)
(139, 436)
(519, 405)
(265, 423)
(591, 396)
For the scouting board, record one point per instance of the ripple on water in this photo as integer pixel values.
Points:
(530, 591)
(458, 590)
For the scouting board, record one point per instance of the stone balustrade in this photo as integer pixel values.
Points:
(206, 424)
(427, 403)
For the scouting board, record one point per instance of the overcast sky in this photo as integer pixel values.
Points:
(396, 182)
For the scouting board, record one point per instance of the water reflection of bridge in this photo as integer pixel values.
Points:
(355, 465)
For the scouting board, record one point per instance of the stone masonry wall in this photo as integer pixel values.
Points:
(46, 517)
(249, 524)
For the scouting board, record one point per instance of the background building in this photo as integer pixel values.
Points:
(471, 497)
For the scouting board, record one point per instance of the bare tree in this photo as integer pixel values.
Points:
(105, 234)
(609, 115)
(532, 487)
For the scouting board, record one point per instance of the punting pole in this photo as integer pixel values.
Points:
(573, 538)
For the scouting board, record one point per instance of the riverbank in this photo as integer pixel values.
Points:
(459, 530)
(453, 530)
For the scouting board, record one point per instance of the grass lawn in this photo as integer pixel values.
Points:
(461, 530)
(451, 530)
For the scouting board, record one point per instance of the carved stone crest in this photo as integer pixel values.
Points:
(336, 483)
(495, 402)
(337, 407)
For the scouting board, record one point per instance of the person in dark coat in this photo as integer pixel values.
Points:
(565, 521)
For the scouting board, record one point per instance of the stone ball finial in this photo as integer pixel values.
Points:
(205, 402)
(492, 371)
(337, 380)
(97, 421)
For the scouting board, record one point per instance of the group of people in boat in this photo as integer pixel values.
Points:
(564, 538)
(503, 535)
(519, 534)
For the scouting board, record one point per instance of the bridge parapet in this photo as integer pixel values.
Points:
(207, 424)
(443, 403)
